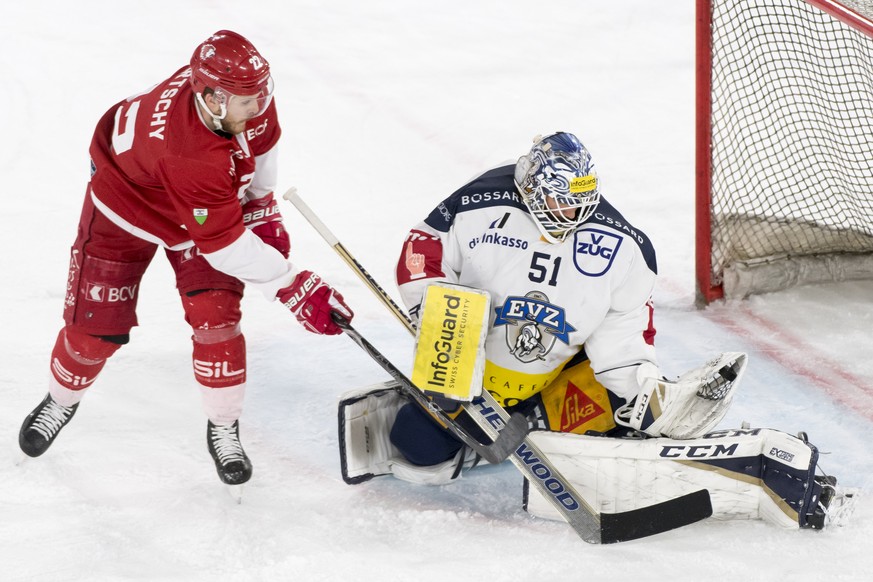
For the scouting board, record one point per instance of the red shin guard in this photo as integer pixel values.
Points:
(219, 347)
(77, 358)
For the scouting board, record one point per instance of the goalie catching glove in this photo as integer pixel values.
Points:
(263, 218)
(311, 300)
(689, 407)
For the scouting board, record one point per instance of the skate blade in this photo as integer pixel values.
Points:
(236, 492)
(842, 506)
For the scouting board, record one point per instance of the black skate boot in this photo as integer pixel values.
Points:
(234, 467)
(42, 425)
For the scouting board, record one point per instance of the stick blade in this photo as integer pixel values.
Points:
(655, 519)
(508, 440)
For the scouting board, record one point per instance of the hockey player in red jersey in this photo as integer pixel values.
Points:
(189, 165)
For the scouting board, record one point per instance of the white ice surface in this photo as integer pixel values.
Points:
(387, 107)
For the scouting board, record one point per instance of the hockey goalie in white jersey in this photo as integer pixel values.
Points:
(571, 345)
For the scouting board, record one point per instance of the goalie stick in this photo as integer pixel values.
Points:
(591, 525)
(504, 444)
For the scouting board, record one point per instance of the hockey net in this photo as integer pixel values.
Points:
(784, 144)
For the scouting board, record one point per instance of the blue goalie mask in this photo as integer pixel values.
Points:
(558, 184)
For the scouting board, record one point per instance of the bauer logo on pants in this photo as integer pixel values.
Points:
(449, 352)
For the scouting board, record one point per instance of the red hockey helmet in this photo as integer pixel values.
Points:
(230, 65)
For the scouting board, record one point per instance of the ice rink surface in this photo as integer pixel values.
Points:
(387, 107)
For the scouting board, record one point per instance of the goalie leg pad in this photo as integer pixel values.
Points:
(366, 419)
(689, 407)
(438, 474)
(750, 473)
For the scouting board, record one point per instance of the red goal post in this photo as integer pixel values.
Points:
(784, 179)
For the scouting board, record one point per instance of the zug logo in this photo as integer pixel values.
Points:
(595, 247)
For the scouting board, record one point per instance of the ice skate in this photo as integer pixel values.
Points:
(835, 504)
(231, 461)
(42, 426)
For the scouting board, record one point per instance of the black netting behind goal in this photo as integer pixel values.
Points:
(792, 134)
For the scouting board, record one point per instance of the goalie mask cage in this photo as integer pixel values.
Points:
(784, 144)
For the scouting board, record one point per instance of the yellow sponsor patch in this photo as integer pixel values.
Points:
(510, 387)
(576, 402)
(583, 184)
(573, 400)
(450, 345)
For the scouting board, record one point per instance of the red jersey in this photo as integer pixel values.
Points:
(160, 173)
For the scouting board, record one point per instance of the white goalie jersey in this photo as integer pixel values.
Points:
(592, 291)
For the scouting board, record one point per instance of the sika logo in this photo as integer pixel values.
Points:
(578, 408)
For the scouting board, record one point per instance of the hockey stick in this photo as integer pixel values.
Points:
(495, 452)
(504, 444)
(592, 526)
(292, 197)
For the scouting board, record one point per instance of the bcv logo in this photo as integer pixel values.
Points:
(103, 294)
(595, 251)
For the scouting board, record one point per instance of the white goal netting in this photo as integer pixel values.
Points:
(792, 146)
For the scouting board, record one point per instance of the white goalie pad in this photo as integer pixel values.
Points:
(689, 407)
(365, 420)
(749, 473)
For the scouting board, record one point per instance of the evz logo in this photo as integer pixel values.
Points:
(595, 251)
(532, 325)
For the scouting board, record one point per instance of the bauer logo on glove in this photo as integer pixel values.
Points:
(311, 300)
(263, 218)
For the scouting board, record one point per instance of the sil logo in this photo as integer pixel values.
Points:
(532, 325)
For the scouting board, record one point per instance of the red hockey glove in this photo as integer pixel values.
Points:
(262, 216)
(311, 300)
